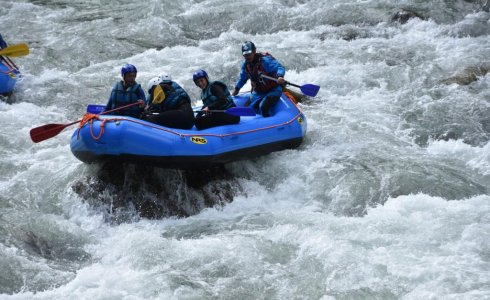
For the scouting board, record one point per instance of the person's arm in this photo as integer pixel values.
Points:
(141, 98)
(108, 106)
(141, 94)
(219, 93)
(272, 66)
(241, 80)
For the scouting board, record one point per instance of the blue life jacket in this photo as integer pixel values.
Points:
(121, 97)
(209, 99)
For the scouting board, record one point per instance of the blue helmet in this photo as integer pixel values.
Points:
(248, 47)
(200, 74)
(128, 68)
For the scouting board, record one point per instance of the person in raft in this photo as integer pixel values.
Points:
(3, 43)
(215, 96)
(265, 92)
(168, 104)
(127, 91)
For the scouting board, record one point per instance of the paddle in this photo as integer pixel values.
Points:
(47, 131)
(15, 50)
(95, 108)
(307, 89)
(234, 111)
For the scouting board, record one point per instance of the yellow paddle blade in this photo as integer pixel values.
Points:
(15, 50)
(158, 95)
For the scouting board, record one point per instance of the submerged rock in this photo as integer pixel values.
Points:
(468, 75)
(7, 98)
(404, 15)
(127, 191)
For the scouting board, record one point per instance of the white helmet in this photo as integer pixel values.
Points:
(154, 81)
(165, 78)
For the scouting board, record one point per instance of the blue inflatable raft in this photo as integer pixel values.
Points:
(8, 76)
(126, 139)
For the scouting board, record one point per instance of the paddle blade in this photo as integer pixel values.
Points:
(310, 89)
(241, 111)
(15, 50)
(95, 108)
(47, 131)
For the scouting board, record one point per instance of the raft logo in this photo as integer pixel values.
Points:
(198, 140)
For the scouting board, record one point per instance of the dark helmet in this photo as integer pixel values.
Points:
(128, 68)
(200, 74)
(248, 47)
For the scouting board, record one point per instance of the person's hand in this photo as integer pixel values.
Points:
(235, 92)
(281, 81)
(206, 110)
(141, 103)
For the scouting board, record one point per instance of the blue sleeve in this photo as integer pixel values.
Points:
(272, 66)
(243, 78)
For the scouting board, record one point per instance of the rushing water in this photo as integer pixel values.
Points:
(387, 198)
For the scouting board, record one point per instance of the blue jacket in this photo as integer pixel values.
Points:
(121, 96)
(267, 65)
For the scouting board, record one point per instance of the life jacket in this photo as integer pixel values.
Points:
(171, 97)
(121, 96)
(209, 99)
(255, 69)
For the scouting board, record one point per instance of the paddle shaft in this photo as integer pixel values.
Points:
(307, 89)
(235, 111)
(9, 62)
(275, 79)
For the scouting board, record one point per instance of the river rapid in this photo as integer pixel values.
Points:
(388, 197)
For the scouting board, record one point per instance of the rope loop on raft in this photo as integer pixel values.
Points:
(89, 118)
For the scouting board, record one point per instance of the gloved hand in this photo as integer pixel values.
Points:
(235, 92)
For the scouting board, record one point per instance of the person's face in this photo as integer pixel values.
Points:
(201, 83)
(130, 78)
(249, 57)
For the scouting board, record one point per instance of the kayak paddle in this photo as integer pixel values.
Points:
(15, 50)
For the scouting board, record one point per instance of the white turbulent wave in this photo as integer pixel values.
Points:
(387, 198)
